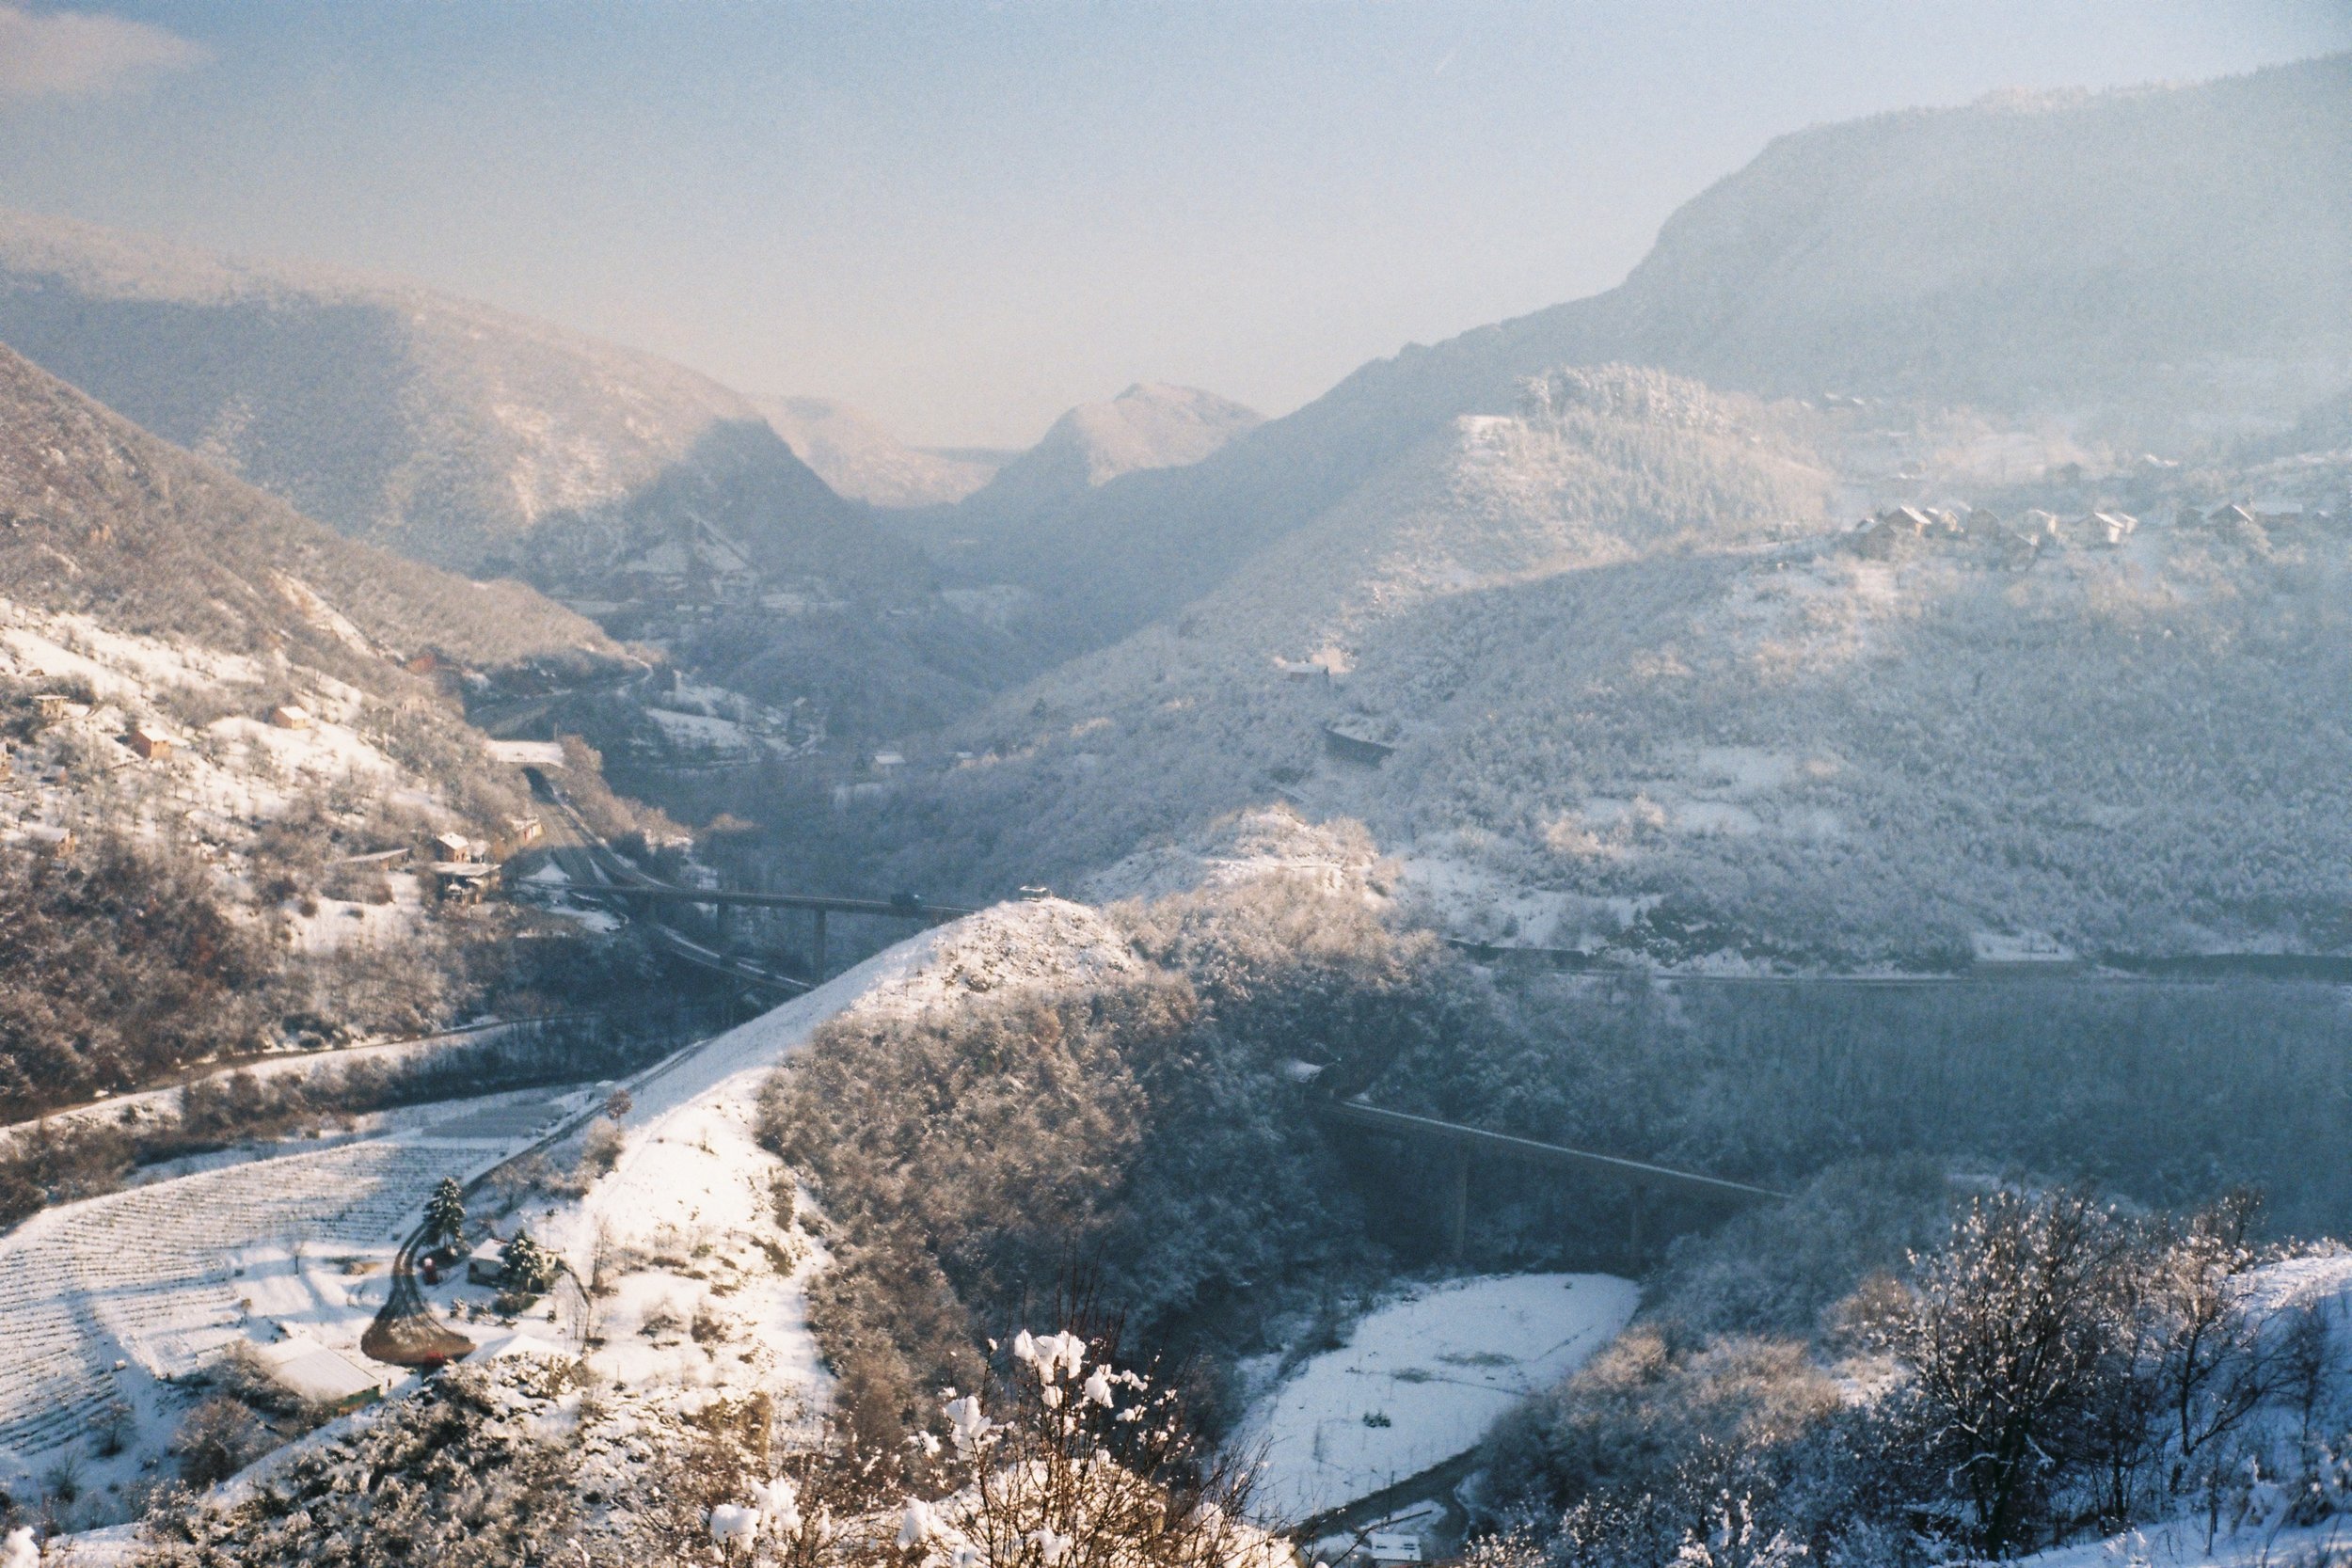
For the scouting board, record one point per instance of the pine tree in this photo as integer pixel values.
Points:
(529, 1267)
(445, 1213)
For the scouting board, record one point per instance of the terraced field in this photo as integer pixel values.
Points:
(143, 1283)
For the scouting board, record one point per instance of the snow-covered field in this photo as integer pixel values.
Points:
(1420, 1381)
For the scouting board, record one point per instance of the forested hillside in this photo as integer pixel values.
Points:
(1604, 674)
(210, 724)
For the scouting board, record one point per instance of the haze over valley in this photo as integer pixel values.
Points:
(1706, 925)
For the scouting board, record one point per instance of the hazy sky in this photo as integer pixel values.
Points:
(963, 216)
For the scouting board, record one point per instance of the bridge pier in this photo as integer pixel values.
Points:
(1457, 1205)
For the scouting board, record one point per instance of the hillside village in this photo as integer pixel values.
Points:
(1707, 927)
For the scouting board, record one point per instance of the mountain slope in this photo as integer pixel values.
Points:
(1147, 426)
(1604, 676)
(1011, 527)
(445, 430)
(217, 757)
(2105, 260)
(102, 519)
(865, 462)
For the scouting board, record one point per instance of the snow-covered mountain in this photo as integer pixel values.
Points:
(2157, 269)
(861, 459)
(213, 704)
(1147, 426)
(446, 430)
(1011, 528)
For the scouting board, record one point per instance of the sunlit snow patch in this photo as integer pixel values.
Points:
(1419, 1382)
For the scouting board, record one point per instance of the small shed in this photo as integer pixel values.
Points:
(487, 1263)
(48, 840)
(150, 742)
(888, 763)
(524, 830)
(290, 716)
(1303, 670)
(1350, 747)
(456, 847)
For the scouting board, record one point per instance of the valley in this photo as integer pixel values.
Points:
(1711, 927)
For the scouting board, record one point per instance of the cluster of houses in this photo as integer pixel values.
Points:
(1880, 536)
(148, 739)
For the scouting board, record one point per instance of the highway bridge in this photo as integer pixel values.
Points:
(598, 872)
(1458, 1143)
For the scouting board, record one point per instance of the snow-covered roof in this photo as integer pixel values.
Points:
(317, 1373)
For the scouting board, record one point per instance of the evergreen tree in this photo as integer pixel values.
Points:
(445, 1213)
(529, 1267)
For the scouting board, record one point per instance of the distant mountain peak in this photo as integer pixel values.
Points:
(862, 460)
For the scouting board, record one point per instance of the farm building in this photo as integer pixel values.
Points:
(148, 742)
(290, 716)
(455, 847)
(463, 881)
(2104, 530)
(1362, 750)
(52, 705)
(319, 1374)
(1302, 670)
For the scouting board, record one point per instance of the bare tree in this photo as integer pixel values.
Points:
(2011, 1336)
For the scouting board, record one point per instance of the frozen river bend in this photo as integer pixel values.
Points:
(1421, 1380)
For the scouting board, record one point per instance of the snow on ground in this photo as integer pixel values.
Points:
(1267, 841)
(1419, 1382)
(534, 754)
(1446, 885)
(703, 1280)
(153, 1104)
(107, 1300)
(700, 731)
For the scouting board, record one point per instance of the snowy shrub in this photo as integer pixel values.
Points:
(1631, 1421)
(1073, 1461)
(218, 1438)
(600, 1148)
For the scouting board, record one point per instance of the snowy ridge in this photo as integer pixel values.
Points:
(692, 1203)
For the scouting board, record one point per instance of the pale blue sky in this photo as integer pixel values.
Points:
(965, 216)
